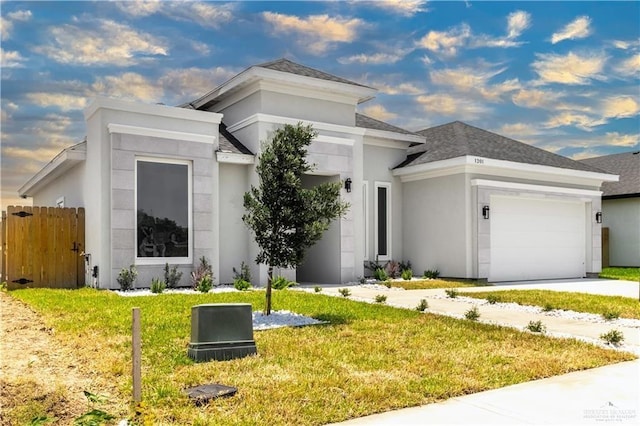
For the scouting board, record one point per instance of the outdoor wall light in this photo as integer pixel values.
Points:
(599, 217)
(485, 212)
(347, 184)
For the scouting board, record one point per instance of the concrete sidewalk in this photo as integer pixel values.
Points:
(609, 394)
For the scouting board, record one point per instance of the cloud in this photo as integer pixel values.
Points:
(518, 131)
(568, 118)
(393, 84)
(578, 28)
(630, 66)
(130, 86)
(63, 101)
(6, 24)
(139, 8)
(189, 83)
(448, 42)
(517, 22)
(318, 33)
(617, 139)
(474, 81)
(205, 14)
(570, 68)
(103, 42)
(624, 45)
(620, 107)
(379, 112)
(401, 7)
(535, 98)
(11, 59)
(445, 104)
(374, 59)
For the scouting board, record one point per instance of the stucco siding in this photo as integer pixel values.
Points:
(434, 225)
(67, 187)
(307, 108)
(622, 217)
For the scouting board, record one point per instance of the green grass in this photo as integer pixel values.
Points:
(628, 274)
(437, 283)
(627, 307)
(371, 358)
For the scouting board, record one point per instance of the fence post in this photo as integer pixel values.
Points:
(136, 355)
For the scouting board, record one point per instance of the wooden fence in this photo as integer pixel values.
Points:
(42, 247)
(605, 247)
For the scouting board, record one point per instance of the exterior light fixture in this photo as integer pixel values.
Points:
(347, 184)
(485, 212)
(599, 217)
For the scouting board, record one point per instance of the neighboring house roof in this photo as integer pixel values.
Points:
(229, 143)
(458, 139)
(366, 122)
(627, 166)
(286, 65)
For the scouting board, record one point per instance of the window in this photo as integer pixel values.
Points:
(163, 211)
(382, 225)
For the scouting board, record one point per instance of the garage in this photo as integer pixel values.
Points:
(533, 238)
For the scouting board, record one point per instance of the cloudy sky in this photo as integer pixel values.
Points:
(560, 76)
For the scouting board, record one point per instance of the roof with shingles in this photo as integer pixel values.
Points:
(367, 122)
(285, 65)
(458, 139)
(229, 143)
(627, 166)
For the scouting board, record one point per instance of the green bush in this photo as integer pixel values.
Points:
(244, 273)
(431, 274)
(205, 284)
(381, 298)
(171, 275)
(345, 292)
(548, 307)
(202, 275)
(281, 283)
(493, 299)
(126, 277)
(241, 284)
(611, 315)
(407, 274)
(536, 327)
(157, 286)
(387, 283)
(380, 274)
(452, 292)
(317, 289)
(423, 305)
(472, 314)
(613, 337)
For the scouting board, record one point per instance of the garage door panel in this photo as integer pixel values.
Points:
(536, 239)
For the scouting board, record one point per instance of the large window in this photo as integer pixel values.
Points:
(163, 211)
(383, 220)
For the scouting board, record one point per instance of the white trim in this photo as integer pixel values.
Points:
(234, 158)
(334, 140)
(147, 109)
(534, 188)
(163, 260)
(276, 119)
(62, 162)
(386, 185)
(391, 142)
(366, 210)
(160, 133)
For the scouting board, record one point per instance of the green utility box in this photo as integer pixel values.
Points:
(221, 331)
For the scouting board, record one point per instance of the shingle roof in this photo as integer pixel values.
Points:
(627, 166)
(366, 122)
(458, 139)
(286, 65)
(229, 143)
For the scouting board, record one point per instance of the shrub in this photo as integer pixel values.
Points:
(613, 337)
(241, 284)
(423, 305)
(431, 273)
(536, 327)
(407, 274)
(126, 277)
(452, 292)
(345, 292)
(205, 284)
(472, 314)
(387, 283)
(171, 275)
(611, 315)
(493, 299)
(404, 265)
(243, 274)
(281, 283)
(380, 274)
(202, 272)
(317, 289)
(157, 285)
(393, 269)
(381, 298)
(548, 307)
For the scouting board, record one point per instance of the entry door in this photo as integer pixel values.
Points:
(536, 239)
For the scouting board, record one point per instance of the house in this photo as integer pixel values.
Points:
(621, 206)
(164, 184)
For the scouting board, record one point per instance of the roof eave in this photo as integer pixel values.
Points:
(385, 134)
(62, 162)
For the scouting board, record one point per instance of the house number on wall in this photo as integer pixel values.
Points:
(479, 161)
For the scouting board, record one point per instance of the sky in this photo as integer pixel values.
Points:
(562, 76)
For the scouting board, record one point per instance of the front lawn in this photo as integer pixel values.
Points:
(426, 284)
(628, 274)
(371, 358)
(626, 307)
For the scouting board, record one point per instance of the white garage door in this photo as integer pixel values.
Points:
(536, 239)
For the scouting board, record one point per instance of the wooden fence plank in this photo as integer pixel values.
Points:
(80, 239)
(54, 261)
(605, 247)
(3, 241)
(36, 246)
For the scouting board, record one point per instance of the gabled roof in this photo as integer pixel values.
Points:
(285, 65)
(458, 139)
(229, 143)
(367, 122)
(627, 166)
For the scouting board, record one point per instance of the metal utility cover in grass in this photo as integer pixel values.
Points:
(221, 331)
(202, 394)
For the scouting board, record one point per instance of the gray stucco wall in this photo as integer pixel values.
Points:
(69, 186)
(622, 217)
(306, 108)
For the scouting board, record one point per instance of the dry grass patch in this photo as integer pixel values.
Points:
(427, 284)
(371, 358)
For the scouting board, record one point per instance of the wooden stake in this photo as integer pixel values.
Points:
(136, 355)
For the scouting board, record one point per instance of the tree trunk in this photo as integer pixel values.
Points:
(267, 306)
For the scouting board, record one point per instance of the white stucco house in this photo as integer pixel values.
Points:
(165, 184)
(621, 206)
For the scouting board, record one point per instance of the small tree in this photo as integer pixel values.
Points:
(286, 218)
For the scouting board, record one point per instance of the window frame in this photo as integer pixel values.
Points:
(162, 260)
(365, 210)
(388, 255)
